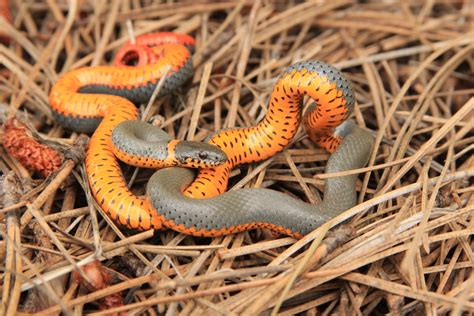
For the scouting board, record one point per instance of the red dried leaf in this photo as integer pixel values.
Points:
(33, 155)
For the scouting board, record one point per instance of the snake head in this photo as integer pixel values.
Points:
(199, 155)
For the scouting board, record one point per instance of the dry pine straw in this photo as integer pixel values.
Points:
(407, 248)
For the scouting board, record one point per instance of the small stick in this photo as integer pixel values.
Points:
(131, 32)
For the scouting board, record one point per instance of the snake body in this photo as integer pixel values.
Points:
(102, 99)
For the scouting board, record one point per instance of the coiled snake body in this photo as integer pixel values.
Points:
(199, 206)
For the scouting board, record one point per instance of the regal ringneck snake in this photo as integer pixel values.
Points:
(104, 97)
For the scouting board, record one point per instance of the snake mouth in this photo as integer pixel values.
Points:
(196, 163)
(202, 159)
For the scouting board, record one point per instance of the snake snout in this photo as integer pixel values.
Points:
(195, 154)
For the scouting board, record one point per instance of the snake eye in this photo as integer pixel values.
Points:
(202, 155)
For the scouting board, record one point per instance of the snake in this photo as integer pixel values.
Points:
(102, 100)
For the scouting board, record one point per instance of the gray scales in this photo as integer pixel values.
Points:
(328, 71)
